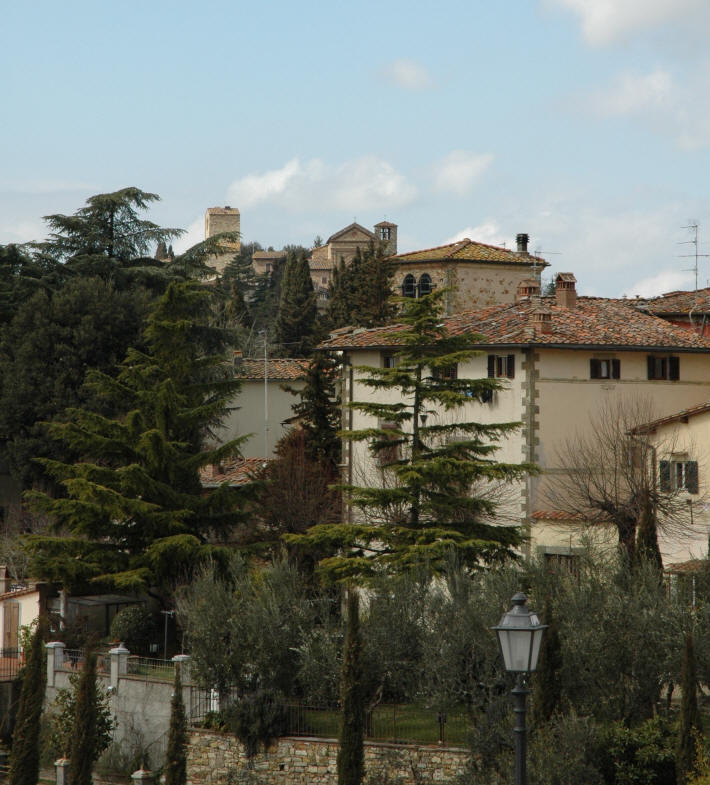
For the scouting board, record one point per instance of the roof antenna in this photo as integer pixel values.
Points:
(693, 226)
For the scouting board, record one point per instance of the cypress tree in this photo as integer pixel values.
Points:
(296, 320)
(351, 755)
(24, 758)
(84, 746)
(176, 756)
(690, 726)
(547, 684)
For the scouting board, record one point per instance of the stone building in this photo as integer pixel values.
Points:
(218, 220)
(477, 274)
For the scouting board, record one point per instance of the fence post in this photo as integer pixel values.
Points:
(182, 661)
(119, 664)
(55, 660)
(61, 766)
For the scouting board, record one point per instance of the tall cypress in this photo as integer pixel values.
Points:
(547, 683)
(296, 320)
(84, 746)
(690, 724)
(351, 755)
(176, 757)
(24, 758)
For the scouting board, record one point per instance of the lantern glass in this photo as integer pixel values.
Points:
(520, 635)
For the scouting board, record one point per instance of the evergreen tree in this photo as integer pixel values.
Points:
(24, 758)
(134, 514)
(296, 320)
(690, 724)
(339, 297)
(351, 756)
(319, 410)
(431, 498)
(176, 754)
(84, 742)
(547, 690)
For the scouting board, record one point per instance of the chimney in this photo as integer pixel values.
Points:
(565, 290)
(527, 288)
(541, 319)
(522, 241)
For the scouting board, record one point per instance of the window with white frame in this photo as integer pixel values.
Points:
(679, 474)
(501, 366)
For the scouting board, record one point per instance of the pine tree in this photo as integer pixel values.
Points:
(296, 320)
(319, 410)
(690, 724)
(351, 757)
(176, 755)
(134, 515)
(24, 758)
(428, 502)
(84, 748)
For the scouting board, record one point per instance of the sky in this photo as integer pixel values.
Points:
(585, 123)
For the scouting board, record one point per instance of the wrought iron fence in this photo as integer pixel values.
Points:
(11, 661)
(397, 724)
(150, 669)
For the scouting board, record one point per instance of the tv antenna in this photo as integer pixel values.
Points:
(693, 226)
(538, 251)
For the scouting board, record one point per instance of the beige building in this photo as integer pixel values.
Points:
(560, 359)
(217, 221)
(477, 274)
(262, 407)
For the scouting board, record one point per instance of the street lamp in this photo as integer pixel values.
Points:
(519, 636)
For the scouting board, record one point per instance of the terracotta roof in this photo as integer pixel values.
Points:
(350, 228)
(592, 322)
(569, 517)
(222, 210)
(319, 263)
(676, 302)
(469, 251)
(276, 369)
(8, 595)
(386, 223)
(239, 471)
(688, 567)
(700, 408)
(268, 255)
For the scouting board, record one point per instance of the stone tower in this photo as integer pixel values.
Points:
(218, 220)
(386, 233)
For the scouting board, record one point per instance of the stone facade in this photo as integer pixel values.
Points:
(218, 220)
(219, 759)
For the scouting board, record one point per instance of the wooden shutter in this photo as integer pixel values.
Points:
(674, 368)
(595, 369)
(665, 476)
(511, 366)
(491, 366)
(691, 476)
(615, 369)
(650, 360)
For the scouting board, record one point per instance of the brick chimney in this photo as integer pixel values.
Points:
(522, 242)
(527, 288)
(541, 319)
(565, 290)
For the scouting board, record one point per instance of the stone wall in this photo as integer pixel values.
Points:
(219, 759)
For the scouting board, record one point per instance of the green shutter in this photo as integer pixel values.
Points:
(674, 368)
(616, 369)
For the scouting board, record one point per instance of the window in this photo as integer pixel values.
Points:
(605, 369)
(424, 285)
(679, 475)
(566, 563)
(409, 286)
(663, 367)
(389, 454)
(501, 366)
(390, 361)
(384, 232)
(448, 372)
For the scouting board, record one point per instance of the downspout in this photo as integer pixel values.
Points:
(529, 423)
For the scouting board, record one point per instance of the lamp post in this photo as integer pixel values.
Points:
(519, 636)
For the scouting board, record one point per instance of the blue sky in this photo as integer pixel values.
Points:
(585, 123)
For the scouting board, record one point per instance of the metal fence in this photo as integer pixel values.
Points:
(150, 669)
(11, 661)
(397, 724)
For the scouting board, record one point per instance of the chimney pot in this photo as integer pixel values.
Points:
(565, 290)
(522, 240)
(527, 288)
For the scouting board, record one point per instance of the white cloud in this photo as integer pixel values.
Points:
(407, 74)
(24, 231)
(663, 282)
(458, 171)
(633, 93)
(604, 21)
(195, 234)
(361, 184)
(488, 232)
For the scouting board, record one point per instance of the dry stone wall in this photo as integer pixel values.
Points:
(219, 759)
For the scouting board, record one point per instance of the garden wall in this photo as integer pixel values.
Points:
(219, 759)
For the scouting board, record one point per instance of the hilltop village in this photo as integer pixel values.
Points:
(274, 481)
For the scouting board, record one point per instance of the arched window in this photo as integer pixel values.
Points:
(409, 286)
(424, 285)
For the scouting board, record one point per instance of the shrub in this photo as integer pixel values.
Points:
(643, 755)
(134, 627)
(257, 719)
